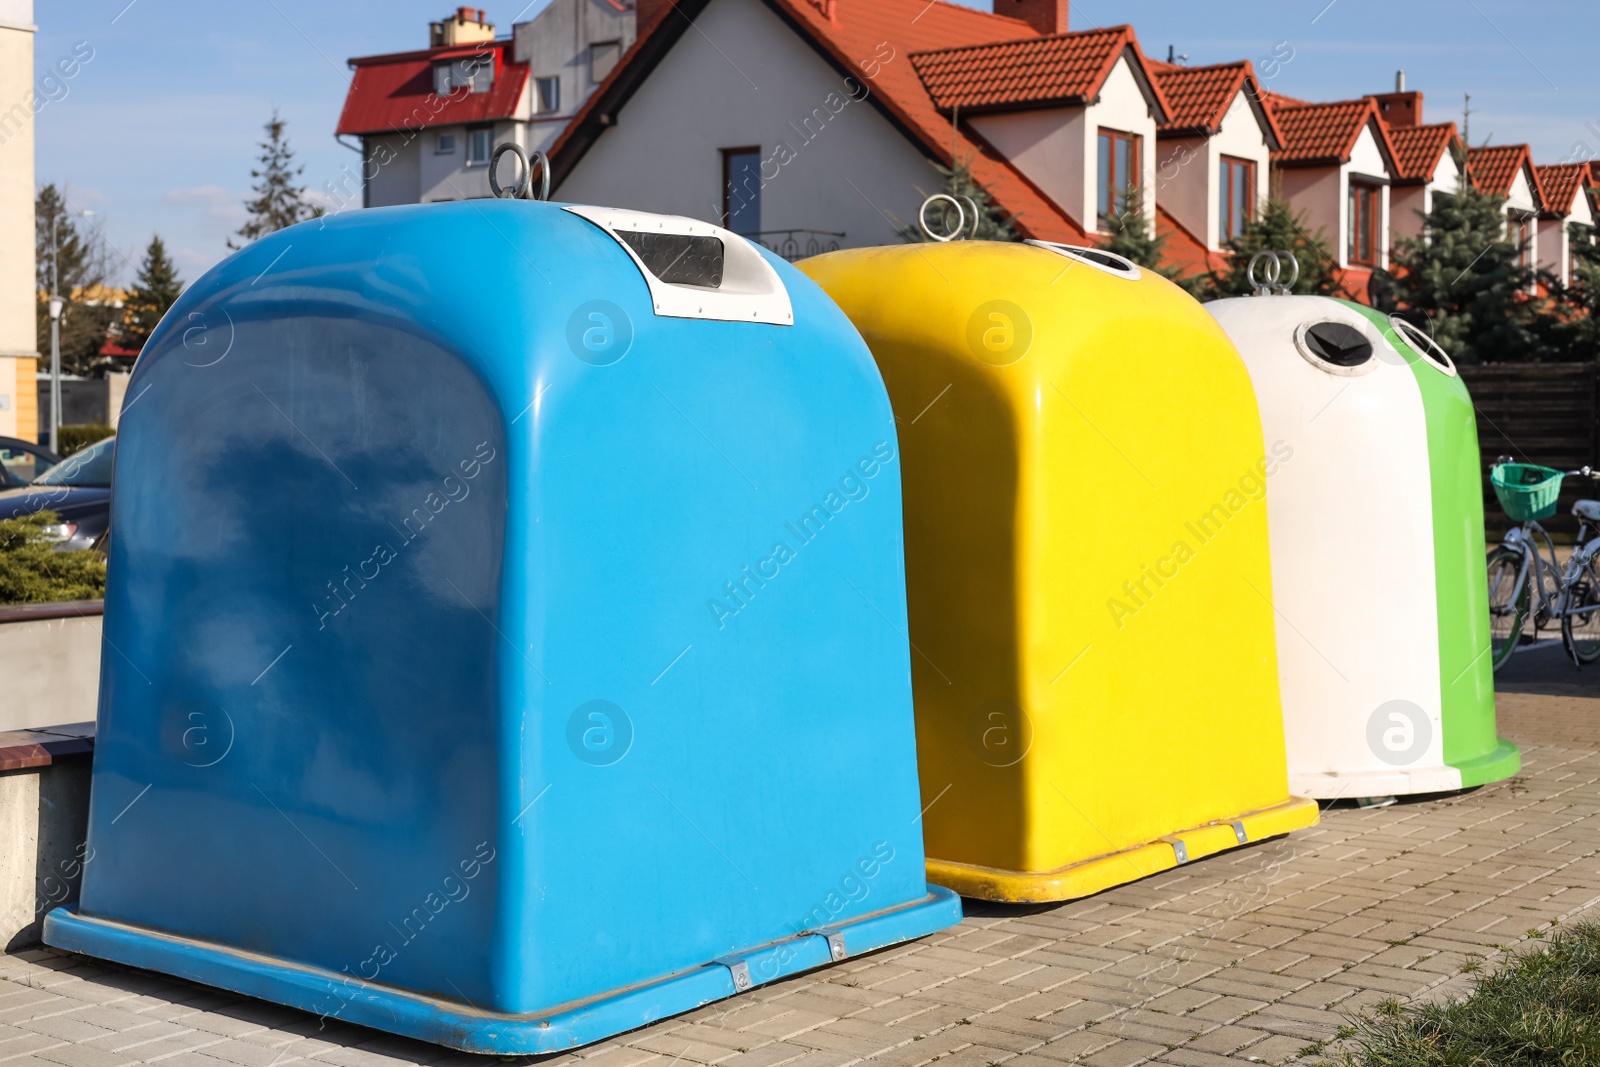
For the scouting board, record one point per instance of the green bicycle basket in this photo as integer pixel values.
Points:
(1526, 491)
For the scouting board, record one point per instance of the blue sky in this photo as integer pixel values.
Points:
(157, 131)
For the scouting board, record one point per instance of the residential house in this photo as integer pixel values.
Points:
(1506, 171)
(1215, 152)
(19, 416)
(428, 121)
(1336, 166)
(1425, 158)
(1076, 114)
(1565, 201)
(820, 123)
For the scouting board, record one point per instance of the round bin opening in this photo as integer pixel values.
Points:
(1338, 343)
(1418, 338)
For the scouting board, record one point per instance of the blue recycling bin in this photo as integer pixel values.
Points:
(505, 633)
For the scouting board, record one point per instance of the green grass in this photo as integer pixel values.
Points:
(1541, 1009)
(33, 572)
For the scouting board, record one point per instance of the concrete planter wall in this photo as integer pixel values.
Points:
(49, 664)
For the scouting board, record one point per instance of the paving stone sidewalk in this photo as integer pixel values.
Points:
(1251, 956)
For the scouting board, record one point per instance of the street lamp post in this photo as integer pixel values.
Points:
(56, 304)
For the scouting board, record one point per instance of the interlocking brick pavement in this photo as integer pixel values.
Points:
(1257, 955)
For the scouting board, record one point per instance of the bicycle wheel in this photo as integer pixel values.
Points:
(1580, 632)
(1509, 599)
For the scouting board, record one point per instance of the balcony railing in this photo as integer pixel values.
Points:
(797, 244)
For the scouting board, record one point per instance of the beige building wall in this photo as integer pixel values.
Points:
(18, 405)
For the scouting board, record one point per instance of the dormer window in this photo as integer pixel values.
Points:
(469, 74)
(1364, 241)
(1118, 172)
(1236, 197)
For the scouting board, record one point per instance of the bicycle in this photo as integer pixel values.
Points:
(1524, 583)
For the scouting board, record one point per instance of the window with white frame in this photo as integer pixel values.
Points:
(444, 144)
(603, 56)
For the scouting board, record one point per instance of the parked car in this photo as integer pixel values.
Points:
(78, 489)
(23, 461)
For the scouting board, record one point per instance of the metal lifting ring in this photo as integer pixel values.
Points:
(961, 218)
(1286, 288)
(523, 190)
(976, 215)
(1270, 273)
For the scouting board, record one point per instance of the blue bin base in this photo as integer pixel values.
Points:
(444, 1022)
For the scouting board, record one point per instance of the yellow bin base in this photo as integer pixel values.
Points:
(1090, 876)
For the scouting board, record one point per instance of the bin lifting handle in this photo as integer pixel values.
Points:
(1268, 285)
(946, 202)
(523, 189)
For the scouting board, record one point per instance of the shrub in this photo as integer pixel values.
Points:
(33, 572)
(76, 438)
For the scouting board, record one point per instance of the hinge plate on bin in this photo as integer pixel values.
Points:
(836, 949)
(1179, 849)
(1239, 832)
(740, 971)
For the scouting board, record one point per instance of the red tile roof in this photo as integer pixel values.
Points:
(851, 39)
(1198, 98)
(1418, 149)
(391, 93)
(1324, 134)
(1493, 168)
(1560, 186)
(1066, 68)
(1182, 249)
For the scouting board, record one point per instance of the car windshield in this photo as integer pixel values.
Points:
(19, 466)
(89, 469)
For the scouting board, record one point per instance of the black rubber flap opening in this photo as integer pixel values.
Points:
(678, 259)
(1339, 344)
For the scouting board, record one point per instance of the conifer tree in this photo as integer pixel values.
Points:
(157, 290)
(80, 259)
(1278, 228)
(1133, 238)
(958, 183)
(1465, 279)
(278, 202)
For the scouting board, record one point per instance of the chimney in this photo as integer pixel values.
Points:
(1046, 16)
(468, 25)
(1400, 108)
(647, 12)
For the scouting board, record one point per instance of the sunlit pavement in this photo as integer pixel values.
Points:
(1256, 955)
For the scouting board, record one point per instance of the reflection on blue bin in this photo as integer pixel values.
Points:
(505, 632)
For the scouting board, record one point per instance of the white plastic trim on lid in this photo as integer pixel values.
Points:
(1130, 270)
(751, 290)
(1427, 347)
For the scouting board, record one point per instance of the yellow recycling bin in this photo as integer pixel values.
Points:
(1094, 660)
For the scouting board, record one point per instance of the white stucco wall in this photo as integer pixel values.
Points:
(556, 43)
(1051, 147)
(1555, 242)
(835, 164)
(1318, 193)
(1242, 137)
(1186, 183)
(392, 168)
(1366, 161)
(1058, 148)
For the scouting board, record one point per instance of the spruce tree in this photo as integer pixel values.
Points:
(959, 182)
(1464, 279)
(1573, 331)
(278, 202)
(157, 291)
(1133, 238)
(1278, 228)
(79, 257)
